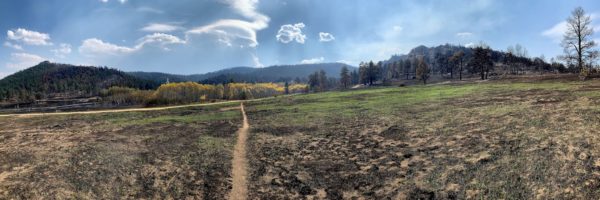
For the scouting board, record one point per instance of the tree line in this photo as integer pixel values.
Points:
(47, 80)
(192, 92)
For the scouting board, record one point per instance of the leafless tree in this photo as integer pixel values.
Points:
(577, 42)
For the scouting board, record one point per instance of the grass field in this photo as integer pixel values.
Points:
(495, 140)
(177, 153)
(490, 140)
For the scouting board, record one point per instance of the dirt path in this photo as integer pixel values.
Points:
(125, 110)
(114, 110)
(239, 173)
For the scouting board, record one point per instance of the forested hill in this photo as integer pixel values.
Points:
(51, 79)
(436, 53)
(277, 73)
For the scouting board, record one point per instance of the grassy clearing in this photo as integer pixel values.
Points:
(493, 140)
(177, 153)
(488, 140)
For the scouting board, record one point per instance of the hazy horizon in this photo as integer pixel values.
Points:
(191, 37)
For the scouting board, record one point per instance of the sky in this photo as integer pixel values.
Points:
(199, 36)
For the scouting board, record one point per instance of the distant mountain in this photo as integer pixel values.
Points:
(47, 80)
(250, 74)
(161, 77)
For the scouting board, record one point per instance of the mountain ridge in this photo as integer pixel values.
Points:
(274, 73)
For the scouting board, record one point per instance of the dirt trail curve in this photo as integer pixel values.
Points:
(114, 110)
(239, 173)
(127, 109)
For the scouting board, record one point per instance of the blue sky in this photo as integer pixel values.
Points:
(198, 36)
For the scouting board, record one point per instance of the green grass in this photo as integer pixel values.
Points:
(388, 101)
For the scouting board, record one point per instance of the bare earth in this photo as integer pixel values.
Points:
(239, 172)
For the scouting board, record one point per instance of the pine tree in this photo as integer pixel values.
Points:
(345, 78)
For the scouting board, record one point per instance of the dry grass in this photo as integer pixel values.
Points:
(483, 140)
(496, 141)
(180, 153)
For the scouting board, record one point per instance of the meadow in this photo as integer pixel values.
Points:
(496, 139)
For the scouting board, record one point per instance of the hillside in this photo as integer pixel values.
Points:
(446, 50)
(47, 80)
(249, 74)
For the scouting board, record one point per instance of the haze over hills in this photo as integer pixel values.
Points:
(277, 73)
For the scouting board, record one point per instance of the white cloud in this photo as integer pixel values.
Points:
(313, 60)
(121, 1)
(62, 51)
(157, 27)
(345, 62)
(325, 37)
(397, 28)
(28, 37)
(228, 30)
(14, 46)
(556, 32)
(94, 46)
(470, 44)
(159, 38)
(256, 61)
(20, 61)
(464, 34)
(288, 33)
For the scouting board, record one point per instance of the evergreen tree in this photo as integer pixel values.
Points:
(345, 78)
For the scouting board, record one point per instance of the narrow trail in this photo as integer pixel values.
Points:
(114, 110)
(130, 109)
(239, 172)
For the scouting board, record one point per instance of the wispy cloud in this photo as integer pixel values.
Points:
(291, 32)
(256, 61)
(20, 61)
(159, 38)
(13, 46)
(62, 51)
(346, 62)
(94, 46)
(159, 27)
(313, 60)
(464, 34)
(29, 37)
(325, 37)
(556, 32)
(397, 28)
(120, 1)
(231, 29)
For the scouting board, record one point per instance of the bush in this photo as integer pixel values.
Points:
(125, 96)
